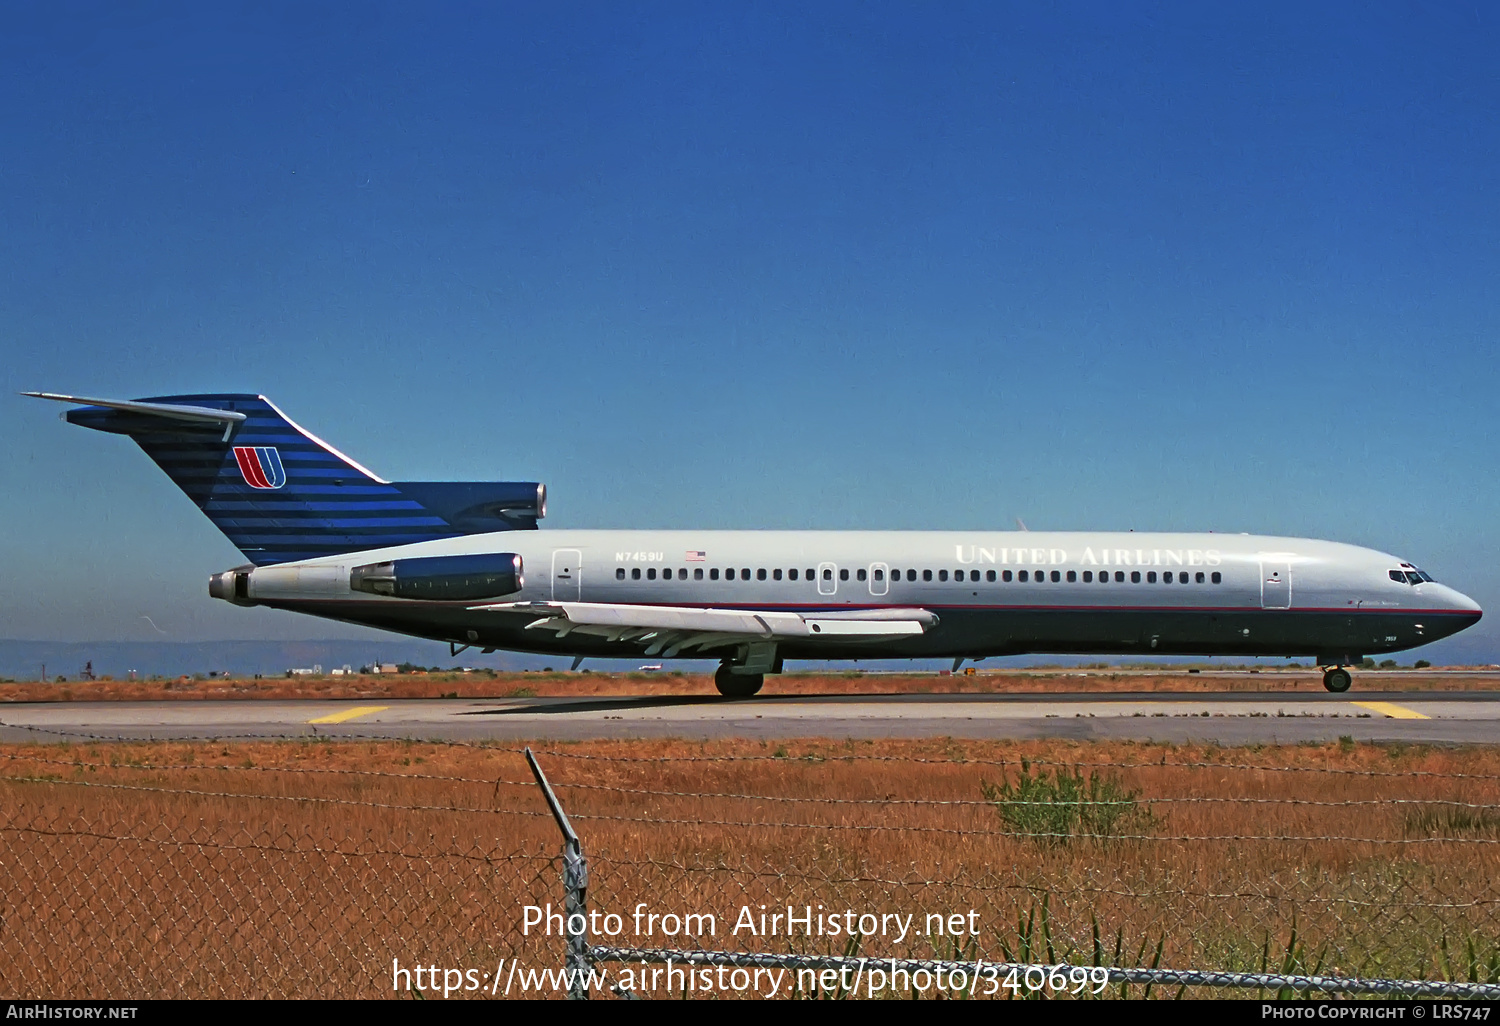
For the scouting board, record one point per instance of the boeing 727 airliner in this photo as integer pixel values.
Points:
(464, 563)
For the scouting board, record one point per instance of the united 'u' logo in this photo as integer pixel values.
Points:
(260, 466)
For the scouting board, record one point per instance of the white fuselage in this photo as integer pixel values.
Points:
(995, 592)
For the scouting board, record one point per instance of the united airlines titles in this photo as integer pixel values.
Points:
(970, 554)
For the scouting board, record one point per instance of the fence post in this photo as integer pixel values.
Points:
(575, 891)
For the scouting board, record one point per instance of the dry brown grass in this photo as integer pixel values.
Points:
(302, 868)
(484, 685)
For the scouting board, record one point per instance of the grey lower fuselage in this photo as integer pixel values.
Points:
(1272, 597)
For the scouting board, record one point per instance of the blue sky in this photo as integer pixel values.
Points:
(872, 265)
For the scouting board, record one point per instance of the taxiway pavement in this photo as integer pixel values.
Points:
(1459, 717)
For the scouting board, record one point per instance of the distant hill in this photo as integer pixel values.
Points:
(23, 660)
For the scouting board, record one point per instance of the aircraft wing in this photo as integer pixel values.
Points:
(671, 630)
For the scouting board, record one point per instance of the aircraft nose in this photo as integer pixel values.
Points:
(1460, 602)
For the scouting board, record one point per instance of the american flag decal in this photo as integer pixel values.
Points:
(695, 556)
(260, 466)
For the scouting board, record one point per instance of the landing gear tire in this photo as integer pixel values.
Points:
(737, 685)
(1337, 680)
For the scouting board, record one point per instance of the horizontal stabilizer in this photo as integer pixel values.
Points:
(171, 411)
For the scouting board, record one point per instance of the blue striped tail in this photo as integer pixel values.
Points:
(281, 494)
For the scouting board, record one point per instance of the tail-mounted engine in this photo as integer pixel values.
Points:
(442, 578)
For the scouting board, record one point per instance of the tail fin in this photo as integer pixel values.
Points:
(281, 494)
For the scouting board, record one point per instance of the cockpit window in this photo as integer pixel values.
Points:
(1409, 576)
(1397, 576)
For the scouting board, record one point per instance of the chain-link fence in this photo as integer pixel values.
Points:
(373, 867)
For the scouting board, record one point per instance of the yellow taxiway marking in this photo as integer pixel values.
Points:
(1396, 712)
(349, 714)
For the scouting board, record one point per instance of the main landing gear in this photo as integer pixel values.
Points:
(1337, 679)
(742, 675)
(737, 685)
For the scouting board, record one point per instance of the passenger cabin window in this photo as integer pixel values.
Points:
(776, 575)
(635, 573)
(989, 575)
(792, 574)
(1088, 577)
(1021, 576)
(713, 574)
(745, 574)
(942, 575)
(620, 574)
(926, 575)
(760, 575)
(860, 574)
(1199, 576)
(1135, 577)
(682, 573)
(827, 575)
(651, 574)
(810, 574)
(1217, 577)
(1120, 576)
(1072, 576)
(1006, 576)
(1056, 576)
(879, 575)
(843, 575)
(697, 573)
(911, 575)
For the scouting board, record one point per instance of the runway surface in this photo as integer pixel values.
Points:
(1249, 718)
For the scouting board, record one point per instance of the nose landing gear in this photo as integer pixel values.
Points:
(1337, 679)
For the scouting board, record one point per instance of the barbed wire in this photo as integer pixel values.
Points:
(1031, 887)
(309, 799)
(812, 758)
(758, 825)
(615, 789)
(163, 842)
(206, 767)
(1014, 763)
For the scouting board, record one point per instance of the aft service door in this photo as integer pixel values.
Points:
(567, 575)
(1275, 584)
